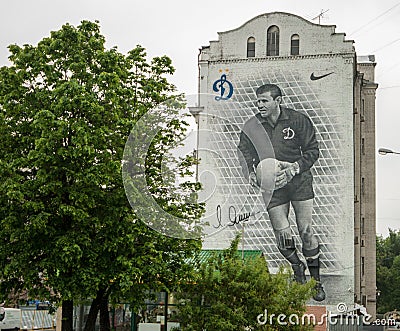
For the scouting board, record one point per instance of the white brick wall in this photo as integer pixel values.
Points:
(314, 38)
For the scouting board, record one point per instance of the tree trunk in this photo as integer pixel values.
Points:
(67, 315)
(93, 312)
(90, 324)
(104, 314)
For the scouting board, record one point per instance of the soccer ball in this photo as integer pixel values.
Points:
(266, 173)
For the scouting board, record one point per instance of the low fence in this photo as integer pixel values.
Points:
(32, 319)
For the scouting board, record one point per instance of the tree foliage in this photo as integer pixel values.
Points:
(228, 293)
(67, 231)
(388, 272)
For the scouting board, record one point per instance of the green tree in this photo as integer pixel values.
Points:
(67, 231)
(227, 293)
(388, 271)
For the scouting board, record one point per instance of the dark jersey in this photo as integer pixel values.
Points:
(292, 139)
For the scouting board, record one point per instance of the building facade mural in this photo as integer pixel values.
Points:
(313, 139)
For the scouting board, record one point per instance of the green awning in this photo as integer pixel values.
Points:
(206, 254)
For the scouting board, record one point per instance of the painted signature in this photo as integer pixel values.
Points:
(233, 217)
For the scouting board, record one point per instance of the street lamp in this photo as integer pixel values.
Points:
(195, 111)
(384, 151)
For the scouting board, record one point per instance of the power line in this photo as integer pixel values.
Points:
(387, 87)
(380, 48)
(387, 70)
(308, 16)
(374, 19)
(388, 199)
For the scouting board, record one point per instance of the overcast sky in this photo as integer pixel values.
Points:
(178, 28)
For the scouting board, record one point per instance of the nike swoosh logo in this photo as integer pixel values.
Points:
(313, 77)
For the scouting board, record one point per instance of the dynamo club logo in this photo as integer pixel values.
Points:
(224, 87)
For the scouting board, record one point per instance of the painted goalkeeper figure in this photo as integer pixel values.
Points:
(294, 145)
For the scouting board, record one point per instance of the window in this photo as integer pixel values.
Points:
(362, 185)
(362, 110)
(363, 146)
(295, 45)
(251, 47)
(362, 266)
(362, 225)
(273, 41)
